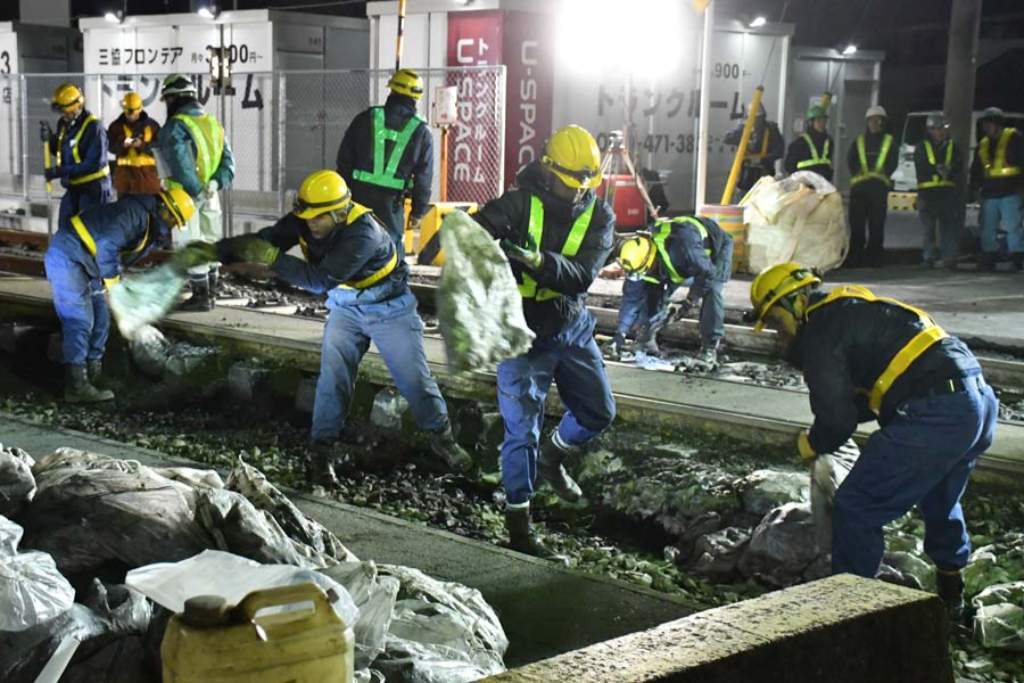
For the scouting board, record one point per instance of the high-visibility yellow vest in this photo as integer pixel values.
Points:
(208, 138)
(816, 159)
(528, 287)
(662, 230)
(878, 172)
(77, 155)
(383, 174)
(354, 212)
(998, 168)
(937, 180)
(132, 156)
(905, 357)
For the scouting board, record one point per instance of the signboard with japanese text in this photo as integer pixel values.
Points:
(529, 55)
(9, 53)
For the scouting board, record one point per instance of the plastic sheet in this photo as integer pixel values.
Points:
(143, 298)
(799, 218)
(782, 547)
(828, 472)
(17, 485)
(999, 562)
(479, 308)
(719, 553)
(999, 619)
(32, 591)
(375, 597)
(764, 490)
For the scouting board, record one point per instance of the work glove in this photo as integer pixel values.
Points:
(683, 309)
(110, 282)
(52, 173)
(803, 447)
(194, 254)
(45, 132)
(414, 223)
(255, 250)
(529, 255)
(211, 188)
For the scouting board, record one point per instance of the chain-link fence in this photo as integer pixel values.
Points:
(281, 126)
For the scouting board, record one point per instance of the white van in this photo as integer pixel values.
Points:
(905, 177)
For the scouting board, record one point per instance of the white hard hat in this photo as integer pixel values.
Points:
(876, 110)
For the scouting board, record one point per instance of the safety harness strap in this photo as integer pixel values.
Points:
(528, 287)
(937, 180)
(663, 228)
(354, 212)
(999, 169)
(384, 175)
(878, 172)
(815, 159)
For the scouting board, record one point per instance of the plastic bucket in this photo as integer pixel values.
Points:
(730, 218)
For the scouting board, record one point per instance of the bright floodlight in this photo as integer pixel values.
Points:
(758, 22)
(205, 12)
(850, 49)
(644, 38)
(112, 18)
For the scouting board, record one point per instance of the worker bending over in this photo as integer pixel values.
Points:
(677, 249)
(349, 256)
(80, 152)
(872, 160)
(812, 150)
(644, 309)
(866, 357)
(388, 150)
(557, 235)
(939, 166)
(85, 258)
(198, 160)
(132, 136)
(996, 174)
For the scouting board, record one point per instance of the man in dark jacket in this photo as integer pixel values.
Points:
(996, 173)
(387, 151)
(80, 151)
(939, 166)
(869, 358)
(557, 235)
(85, 258)
(677, 249)
(812, 151)
(764, 148)
(132, 136)
(871, 160)
(349, 257)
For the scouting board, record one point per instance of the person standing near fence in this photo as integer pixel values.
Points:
(996, 175)
(80, 149)
(198, 159)
(939, 204)
(387, 151)
(132, 136)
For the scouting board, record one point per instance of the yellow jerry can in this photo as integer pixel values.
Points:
(259, 641)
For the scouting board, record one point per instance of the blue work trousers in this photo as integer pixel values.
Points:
(573, 360)
(923, 457)
(1005, 212)
(643, 303)
(712, 292)
(78, 298)
(395, 328)
(940, 214)
(76, 201)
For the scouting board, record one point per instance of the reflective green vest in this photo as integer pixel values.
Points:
(662, 229)
(382, 175)
(528, 287)
(937, 180)
(878, 172)
(815, 160)
(208, 137)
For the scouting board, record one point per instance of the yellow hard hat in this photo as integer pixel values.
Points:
(320, 192)
(179, 204)
(572, 154)
(67, 96)
(407, 82)
(637, 254)
(132, 101)
(776, 282)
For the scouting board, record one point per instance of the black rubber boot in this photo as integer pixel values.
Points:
(443, 445)
(78, 388)
(550, 468)
(520, 534)
(614, 351)
(320, 472)
(950, 585)
(987, 263)
(201, 299)
(1018, 262)
(647, 340)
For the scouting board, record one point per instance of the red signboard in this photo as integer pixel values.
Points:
(528, 52)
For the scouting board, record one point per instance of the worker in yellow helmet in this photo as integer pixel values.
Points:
(388, 152)
(85, 258)
(865, 358)
(348, 255)
(79, 149)
(661, 260)
(557, 235)
(198, 159)
(132, 137)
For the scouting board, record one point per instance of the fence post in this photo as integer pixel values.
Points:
(23, 136)
(282, 128)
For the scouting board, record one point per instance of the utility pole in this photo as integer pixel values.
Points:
(961, 67)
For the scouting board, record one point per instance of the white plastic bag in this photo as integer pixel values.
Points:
(31, 589)
(214, 572)
(145, 297)
(828, 472)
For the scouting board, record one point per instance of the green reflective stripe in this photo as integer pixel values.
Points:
(936, 180)
(528, 287)
(208, 137)
(878, 172)
(815, 160)
(382, 175)
(664, 229)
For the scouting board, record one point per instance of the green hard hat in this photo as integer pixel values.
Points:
(816, 111)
